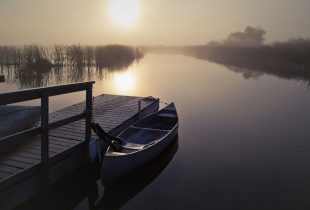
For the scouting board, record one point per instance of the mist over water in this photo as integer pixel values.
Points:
(238, 72)
(243, 140)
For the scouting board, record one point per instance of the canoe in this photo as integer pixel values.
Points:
(117, 194)
(142, 142)
(15, 118)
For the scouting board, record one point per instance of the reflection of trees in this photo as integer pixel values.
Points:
(30, 78)
(26, 77)
(246, 50)
(115, 57)
(289, 60)
(36, 66)
(9, 74)
(246, 73)
(285, 62)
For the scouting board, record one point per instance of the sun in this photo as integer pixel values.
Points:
(123, 12)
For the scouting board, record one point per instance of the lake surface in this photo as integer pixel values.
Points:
(243, 142)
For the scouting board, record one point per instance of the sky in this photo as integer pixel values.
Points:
(160, 22)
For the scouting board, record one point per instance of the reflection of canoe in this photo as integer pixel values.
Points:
(145, 140)
(63, 196)
(121, 192)
(17, 118)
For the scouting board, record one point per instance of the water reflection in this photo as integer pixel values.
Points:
(81, 190)
(246, 73)
(121, 192)
(258, 68)
(124, 81)
(31, 77)
(245, 144)
(37, 66)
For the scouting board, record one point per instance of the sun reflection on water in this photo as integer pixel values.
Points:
(124, 82)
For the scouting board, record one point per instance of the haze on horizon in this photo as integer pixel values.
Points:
(173, 22)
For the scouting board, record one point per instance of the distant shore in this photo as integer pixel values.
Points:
(286, 60)
(289, 60)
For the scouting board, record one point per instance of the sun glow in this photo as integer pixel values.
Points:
(124, 81)
(123, 12)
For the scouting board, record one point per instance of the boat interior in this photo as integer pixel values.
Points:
(142, 135)
(165, 119)
(149, 130)
(139, 139)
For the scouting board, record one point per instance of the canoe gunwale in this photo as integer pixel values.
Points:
(120, 164)
(153, 143)
(151, 129)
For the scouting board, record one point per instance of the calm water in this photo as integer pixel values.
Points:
(243, 142)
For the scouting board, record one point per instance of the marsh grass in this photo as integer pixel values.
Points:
(79, 56)
(36, 66)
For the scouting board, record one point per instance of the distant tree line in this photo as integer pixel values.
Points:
(251, 36)
(247, 50)
(294, 52)
(76, 56)
(289, 59)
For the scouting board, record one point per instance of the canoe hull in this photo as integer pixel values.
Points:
(114, 167)
(17, 118)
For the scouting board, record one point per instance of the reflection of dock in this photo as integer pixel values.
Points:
(87, 189)
(25, 169)
(2, 78)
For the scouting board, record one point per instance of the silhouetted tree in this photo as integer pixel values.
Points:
(252, 36)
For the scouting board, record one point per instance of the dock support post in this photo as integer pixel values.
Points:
(88, 112)
(44, 136)
(2, 78)
(139, 106)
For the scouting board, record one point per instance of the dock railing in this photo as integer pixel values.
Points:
(44, 94)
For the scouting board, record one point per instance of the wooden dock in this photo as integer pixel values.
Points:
(22, 172)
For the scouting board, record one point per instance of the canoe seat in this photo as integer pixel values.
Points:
(134, 146)
(167, 114)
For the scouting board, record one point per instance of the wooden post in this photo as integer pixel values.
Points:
(88, 112)
(44, 94)
(44, 135)
(139, 108)
(2, 78)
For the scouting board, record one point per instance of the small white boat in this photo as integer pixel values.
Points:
(17, 118)
(118, 193)
(140, 143)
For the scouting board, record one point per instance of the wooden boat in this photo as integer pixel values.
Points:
(17, 118)
(140, 143)
(117, 194)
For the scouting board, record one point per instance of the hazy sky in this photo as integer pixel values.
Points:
(171, 22)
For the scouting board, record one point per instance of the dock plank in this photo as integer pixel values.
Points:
(14, 163)
(4, 174)
(67, 146)
(9, 169)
